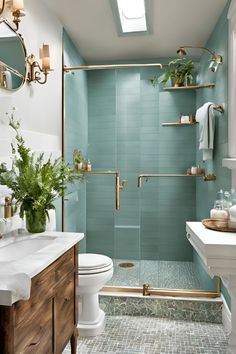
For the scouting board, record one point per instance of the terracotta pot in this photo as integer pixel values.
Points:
(177, 82)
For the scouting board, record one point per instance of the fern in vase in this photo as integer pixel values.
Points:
(35, 184)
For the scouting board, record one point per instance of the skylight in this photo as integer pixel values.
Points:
(132, 15)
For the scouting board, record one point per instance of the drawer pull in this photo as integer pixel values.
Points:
(39, 282)
(33, 344)
(66, 299)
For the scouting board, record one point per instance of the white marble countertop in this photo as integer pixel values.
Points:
(35, 262)
(217, 249)
(214, 244)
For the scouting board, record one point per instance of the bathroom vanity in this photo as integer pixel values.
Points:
(218, 252)
(48, 320)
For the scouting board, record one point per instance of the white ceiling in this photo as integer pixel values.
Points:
(91, 25)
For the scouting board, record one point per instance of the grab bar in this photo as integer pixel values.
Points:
(118, 186)
(206, 178)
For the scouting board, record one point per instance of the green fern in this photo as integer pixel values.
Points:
(35, 184)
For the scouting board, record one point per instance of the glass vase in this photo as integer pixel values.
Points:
(35, 221)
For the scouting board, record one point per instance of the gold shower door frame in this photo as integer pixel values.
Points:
(145, 290)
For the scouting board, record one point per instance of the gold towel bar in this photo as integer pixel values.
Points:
(206, 178)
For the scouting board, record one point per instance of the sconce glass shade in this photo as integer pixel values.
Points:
(44, 55)
(17, 5)
(214, 66)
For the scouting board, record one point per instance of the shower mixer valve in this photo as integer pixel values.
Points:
(123, 184)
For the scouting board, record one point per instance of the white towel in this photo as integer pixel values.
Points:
(206, 119)
(19, 284)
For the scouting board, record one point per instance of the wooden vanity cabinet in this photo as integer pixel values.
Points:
(47, 321)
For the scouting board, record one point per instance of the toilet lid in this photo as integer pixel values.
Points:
(92, 261)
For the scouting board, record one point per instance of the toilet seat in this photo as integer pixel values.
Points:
(90, 263)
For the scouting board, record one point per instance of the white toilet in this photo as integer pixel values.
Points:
(95, 270)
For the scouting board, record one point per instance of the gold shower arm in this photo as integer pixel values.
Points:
(111, 66)
(206, 178)
(118, 186)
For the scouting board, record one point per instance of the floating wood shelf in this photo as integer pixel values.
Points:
(192, 87)
(176, 124)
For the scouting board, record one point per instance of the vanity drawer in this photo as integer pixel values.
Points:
(64, 265)
(36, 338)
(65, 302)
(41, 288)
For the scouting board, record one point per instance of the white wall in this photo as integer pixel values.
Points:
(38, 106)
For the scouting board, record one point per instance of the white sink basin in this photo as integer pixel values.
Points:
(20, 249)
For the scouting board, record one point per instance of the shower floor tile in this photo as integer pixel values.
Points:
(159, 274)
(145, 335)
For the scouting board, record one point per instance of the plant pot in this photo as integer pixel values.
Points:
(35, 221)
(177, 82)
(79, 166)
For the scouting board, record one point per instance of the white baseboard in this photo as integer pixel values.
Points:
(226, 316)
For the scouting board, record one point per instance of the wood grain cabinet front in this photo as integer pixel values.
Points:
(47, 321)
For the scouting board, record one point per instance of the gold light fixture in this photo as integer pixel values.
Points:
(35, 70)
(17, 9)
(216, 59)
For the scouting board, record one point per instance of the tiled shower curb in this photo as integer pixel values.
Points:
(176, 309)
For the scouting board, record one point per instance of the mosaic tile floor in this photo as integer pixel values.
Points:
(159, 274)
(146, 335)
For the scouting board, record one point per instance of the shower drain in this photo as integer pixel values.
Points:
(126, 264)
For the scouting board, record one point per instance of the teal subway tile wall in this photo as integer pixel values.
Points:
(125, 134)
(75, 136)
(206, 192)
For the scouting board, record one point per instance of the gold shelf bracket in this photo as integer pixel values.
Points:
(209, 178)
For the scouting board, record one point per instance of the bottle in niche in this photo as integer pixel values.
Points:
(89, 166)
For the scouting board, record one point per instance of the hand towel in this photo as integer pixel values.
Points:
(206, 119)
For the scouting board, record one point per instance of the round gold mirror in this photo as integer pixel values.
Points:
(12, 57)
(2, 5)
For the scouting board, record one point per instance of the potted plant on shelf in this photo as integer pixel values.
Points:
(179, 70)
(78, 159)
(35, 184)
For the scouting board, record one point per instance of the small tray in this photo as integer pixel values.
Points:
(218, 225)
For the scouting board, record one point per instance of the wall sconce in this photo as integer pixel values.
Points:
(216, 59)
(17, 9)
(35, 70)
